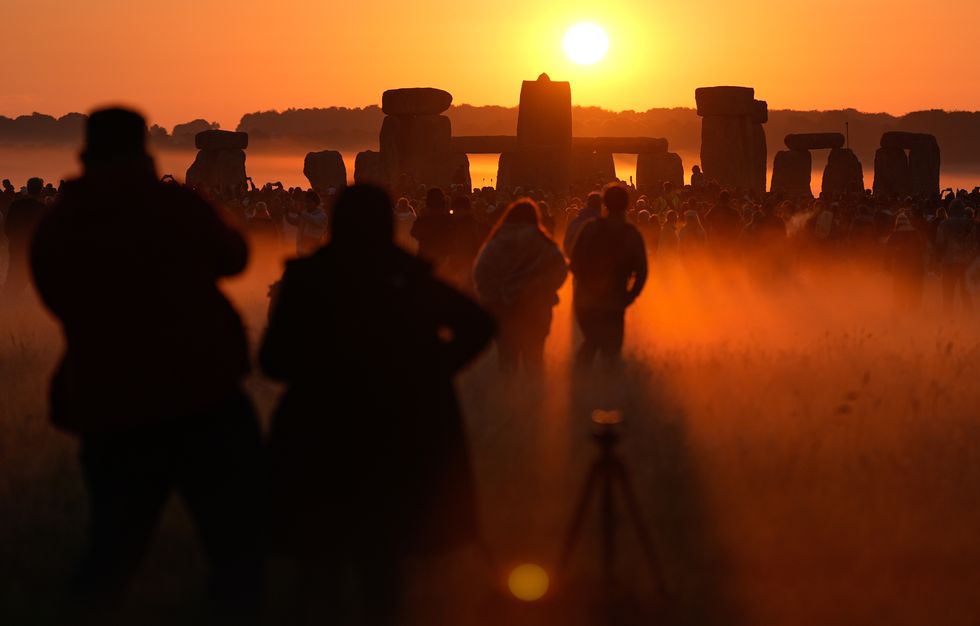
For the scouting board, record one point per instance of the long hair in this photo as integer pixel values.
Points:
(520, 211)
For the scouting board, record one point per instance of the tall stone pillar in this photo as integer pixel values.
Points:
(415, 137)
(543, 158)
(733, 141)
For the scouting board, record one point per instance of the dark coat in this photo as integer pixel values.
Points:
(609, 263)
(368, 442)
(129, 266)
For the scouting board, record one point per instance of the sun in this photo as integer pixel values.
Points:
(586, 43)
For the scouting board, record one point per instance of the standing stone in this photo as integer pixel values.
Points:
(791, 171)
(367, 169)
(653, 170)
(924, 166)
(733, 141)
(843, 173)
(924, 160)
(543, 159)
(220, 161)
(545, 114)
(217, 168)
(461, 171)
(726, 150)
(419, 146)
(891, 172)
(325, 169)
(505, 170)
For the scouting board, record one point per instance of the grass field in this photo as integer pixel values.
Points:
(801, 454)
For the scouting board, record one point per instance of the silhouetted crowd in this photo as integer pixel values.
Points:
(349, 481)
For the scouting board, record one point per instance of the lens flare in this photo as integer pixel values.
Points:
(528, 582)
(586, 43)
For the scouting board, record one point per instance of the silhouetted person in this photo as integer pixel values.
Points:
(956, 246)
(368, 454)
(610, 266)
(151, 379)
(468, 236)
(592, 211)
(723, 223)
(667, 239)
(517, 275)
(310, 223)
(434, 229)
(906, 249)
(20, 220)
(692, 239)
(697, 179)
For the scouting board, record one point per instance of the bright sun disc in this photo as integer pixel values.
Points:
(586, 43)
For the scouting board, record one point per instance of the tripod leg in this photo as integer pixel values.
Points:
(608, 524)
(633, 510)
(581, 509)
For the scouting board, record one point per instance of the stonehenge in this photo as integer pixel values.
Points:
(417, 145)
(733, 141)
(325, 169)
(907, 163)
(220, 161)
(791, 168)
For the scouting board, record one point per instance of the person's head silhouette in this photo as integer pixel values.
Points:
(362, 219)
(115, 137)
(435, 200)
(35, 186)
(616, 199)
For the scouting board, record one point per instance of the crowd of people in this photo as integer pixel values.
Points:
(151, 381)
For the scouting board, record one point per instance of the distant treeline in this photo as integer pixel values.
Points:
(357, 128)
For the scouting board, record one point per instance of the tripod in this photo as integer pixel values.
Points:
(606, 474)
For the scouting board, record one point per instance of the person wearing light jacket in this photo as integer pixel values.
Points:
(517, 275)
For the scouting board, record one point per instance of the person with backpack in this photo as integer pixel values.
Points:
(609, 263)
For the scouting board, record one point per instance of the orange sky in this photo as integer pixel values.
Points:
(182, 59)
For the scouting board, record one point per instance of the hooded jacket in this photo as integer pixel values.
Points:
(519, 265)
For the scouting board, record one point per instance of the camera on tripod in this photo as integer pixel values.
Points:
(606, 425)
(607, 478)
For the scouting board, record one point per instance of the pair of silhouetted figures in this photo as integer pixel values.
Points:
(366, 459)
